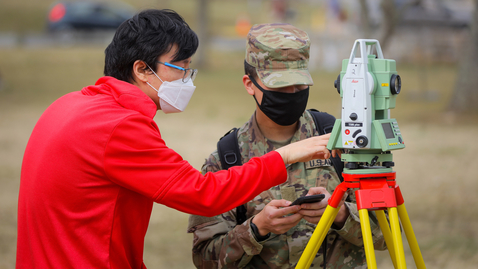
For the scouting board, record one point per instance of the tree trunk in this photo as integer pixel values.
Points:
(203, 34)
(465, 94)
(365, 19)
(391, 16)
(389, 22)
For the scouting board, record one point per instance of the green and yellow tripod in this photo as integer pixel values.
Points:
(377, 192)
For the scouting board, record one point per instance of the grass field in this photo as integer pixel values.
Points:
(436, 171)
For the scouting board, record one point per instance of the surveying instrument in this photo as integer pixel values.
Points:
(368, 86)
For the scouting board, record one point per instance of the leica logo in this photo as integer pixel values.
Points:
(354, 81)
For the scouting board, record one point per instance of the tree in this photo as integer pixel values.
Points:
(391, 15)
(465, 94)
(203, 33)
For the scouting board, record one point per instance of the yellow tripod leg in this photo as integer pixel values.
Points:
(397, 238)
(367, 239)
(412, 240)
(317, 237)
(387, 235)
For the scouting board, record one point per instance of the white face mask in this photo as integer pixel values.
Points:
(174, 96)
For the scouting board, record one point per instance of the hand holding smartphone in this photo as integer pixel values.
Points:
(308, 199)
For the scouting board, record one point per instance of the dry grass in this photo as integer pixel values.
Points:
(436, 171)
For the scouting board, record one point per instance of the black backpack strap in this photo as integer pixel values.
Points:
(230, 155)
(324, 123)
(228, 150)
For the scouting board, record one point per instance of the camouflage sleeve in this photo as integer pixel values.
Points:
(218, 242)
(215, 245)
(211, 164)
(352, 232)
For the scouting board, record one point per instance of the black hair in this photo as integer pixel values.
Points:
(146, 36)
(250, 70)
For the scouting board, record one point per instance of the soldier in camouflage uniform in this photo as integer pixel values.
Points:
(275, 234)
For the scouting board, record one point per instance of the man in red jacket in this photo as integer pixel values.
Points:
(96, 162)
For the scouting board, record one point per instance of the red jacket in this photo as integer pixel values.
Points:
(93, 167)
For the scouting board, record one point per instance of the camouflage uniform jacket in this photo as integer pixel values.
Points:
(220, 243)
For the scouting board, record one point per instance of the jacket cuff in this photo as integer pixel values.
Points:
(246, 237)
(350, 223)
(275, 167)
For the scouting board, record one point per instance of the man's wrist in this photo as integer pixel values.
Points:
(344, 215)
(257, 235)
(283, 154)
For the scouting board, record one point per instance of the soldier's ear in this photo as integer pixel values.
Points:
(248, 85)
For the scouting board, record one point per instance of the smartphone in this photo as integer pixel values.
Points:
(309, 199)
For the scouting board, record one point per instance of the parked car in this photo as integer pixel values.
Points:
(87, 16)
(452, 14)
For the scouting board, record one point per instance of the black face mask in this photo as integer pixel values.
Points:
(282, 108)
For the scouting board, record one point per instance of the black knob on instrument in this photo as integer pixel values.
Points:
(362, 141)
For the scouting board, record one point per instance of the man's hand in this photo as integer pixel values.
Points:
(274, 217)
(306, 150)
(313, 212)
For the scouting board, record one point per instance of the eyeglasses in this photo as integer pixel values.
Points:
(188, 72)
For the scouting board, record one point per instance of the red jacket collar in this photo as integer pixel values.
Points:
(126, 94)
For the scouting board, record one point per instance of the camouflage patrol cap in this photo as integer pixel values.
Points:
(280, 54)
